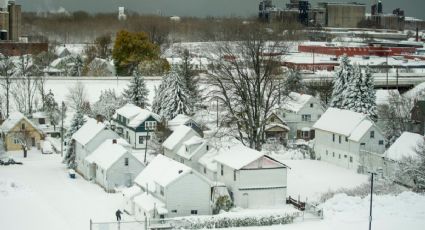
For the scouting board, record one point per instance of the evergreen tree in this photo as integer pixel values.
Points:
(186, 71)
(51, 108)
(294, 83)
(137, 93)
(341, 81)
(77, 67)
(77, 122)
(360, 93)
(172, 97)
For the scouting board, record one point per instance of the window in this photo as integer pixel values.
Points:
(372, 134)
(16, 141)
(161, 190)
(333, 154)
(333, 137)
(339, 139)
(326, 152)
(346, 139)
(194, 212)
(141, 139)
(311, 105)
(221, 170)
(339, 156)
(205, 170)
(150, 125)
(162, 216)
(208, 147)
(22, 126)
(41, 121)
(305, 134)
(306, 117)
(174, 211)
(126, 161)
(234, 175)
(272, 119)
(351, 159)
(381, 142)
(345, 156)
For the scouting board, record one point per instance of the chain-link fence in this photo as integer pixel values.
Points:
(138, 225)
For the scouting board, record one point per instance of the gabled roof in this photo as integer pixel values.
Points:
(238, 156)
(180, 119)
(141, 117)
(108, 153)
(405, 146)
(295, 101)
(88, 131)
(129, 111)
(344, 122)
(13, 120)
(161, 170)
(177, 136)
(195, 140)
(150, 203)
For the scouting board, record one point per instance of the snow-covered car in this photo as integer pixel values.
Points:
(47, 148)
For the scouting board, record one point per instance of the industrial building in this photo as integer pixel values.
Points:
(395, 21)
(347, 15)
(10, 20)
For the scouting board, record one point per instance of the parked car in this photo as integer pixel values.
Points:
(47, 148)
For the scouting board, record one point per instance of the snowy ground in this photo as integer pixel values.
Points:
(40, 196)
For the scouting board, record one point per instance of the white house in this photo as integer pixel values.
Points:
(87, 139)
(301, 111)
(182, 119)
(348, 139)
(112, 165)
(134, 124)
(43, 122)
(171, 189)
(173, 144)
(253, 179)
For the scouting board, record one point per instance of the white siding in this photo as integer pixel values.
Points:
(189, 192)
(120, 175)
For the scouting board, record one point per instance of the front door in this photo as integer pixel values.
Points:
(33, 141)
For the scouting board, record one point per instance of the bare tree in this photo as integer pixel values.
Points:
(23, 138)
(77, 96)
(6, 68)
(25, 68)
(247, 80)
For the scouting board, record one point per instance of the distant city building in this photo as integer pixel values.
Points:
(10, 20)
(121, 13)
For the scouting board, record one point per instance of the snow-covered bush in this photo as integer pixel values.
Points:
(222, 203)
(380, 187)
(228, 222)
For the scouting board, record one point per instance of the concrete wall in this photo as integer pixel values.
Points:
(345, 15)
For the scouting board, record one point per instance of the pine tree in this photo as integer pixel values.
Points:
(137, 93)
(77, 122)
(172, 97)
(185, 70)
(359, 93)
(51, 107)
(340, 82)
(294, 83)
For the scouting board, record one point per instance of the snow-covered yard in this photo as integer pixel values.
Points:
(39, 195)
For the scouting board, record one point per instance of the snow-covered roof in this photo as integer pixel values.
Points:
(129, 111)
(141, 117)
(88, 131)
(39, 115)
(271, 125)
(108, 153)
(208, 160)
(131, 192)
(238, 156)
(13, 119)
(194, 140)
(344, 122)
(180, 119)
(179, 134)
(161, 170)
(187, 145)
(295, 101)
(149, 203)
(405, 146)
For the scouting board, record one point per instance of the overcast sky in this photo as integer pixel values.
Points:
(415, 8)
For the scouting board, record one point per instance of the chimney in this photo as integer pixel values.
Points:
(180, 171)
(114, 141)
(99, 118)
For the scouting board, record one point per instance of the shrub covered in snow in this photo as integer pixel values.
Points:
(380, 187)
(228, 222)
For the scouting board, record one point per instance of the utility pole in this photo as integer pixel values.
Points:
(387, 71)
(371, 194)
(62, 111)
(217, 112)
(146, 142)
